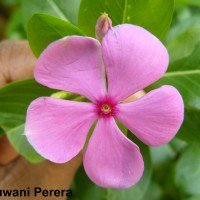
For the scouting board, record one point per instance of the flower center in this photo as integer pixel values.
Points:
(106, 109)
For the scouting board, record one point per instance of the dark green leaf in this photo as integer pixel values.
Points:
(1, 132)
(44, 29)
(154, 15)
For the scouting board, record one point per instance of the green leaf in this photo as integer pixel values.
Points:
(44, 29)
(15, 29)
(181, 27)
(162, 154)
(184, 50)
(188, 2)
(154, 192)
(154, 15)
(187, 173)
(66, 10)
(193, 198)
(1, 132)
(20, 143)
(85, 189)
(14, 101)
(183, 73)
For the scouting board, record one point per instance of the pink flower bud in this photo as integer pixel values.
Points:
(104, 23)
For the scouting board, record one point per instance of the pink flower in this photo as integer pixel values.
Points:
(133, 59)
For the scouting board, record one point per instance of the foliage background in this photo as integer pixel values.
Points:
(172, 172)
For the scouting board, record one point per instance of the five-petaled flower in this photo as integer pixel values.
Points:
(131, 58)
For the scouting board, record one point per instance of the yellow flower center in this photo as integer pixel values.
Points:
(106, 108)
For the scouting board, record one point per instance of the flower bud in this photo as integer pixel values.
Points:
(104, 23)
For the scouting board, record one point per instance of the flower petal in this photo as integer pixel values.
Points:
(133, 58)
(111, 159)
(73, 64)
(156, 117)
(57, 128)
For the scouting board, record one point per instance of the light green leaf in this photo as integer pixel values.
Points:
(44, 29)
(63, 9)
(193, 198)
(154, 15)
(14, 101)
(154, 192)
(162, 154)
(188, 2)
(187, 173)
(85, 189)
(18, 140)
(181, 27)
(184, 50)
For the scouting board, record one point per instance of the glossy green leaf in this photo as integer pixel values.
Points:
(64, 9)
(154, 15)
(44, 29)
(14, 101)
(85, 189)
(187, 176)
(18, 140)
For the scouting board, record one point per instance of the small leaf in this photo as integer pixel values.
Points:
(139, 12)
(44, 29)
